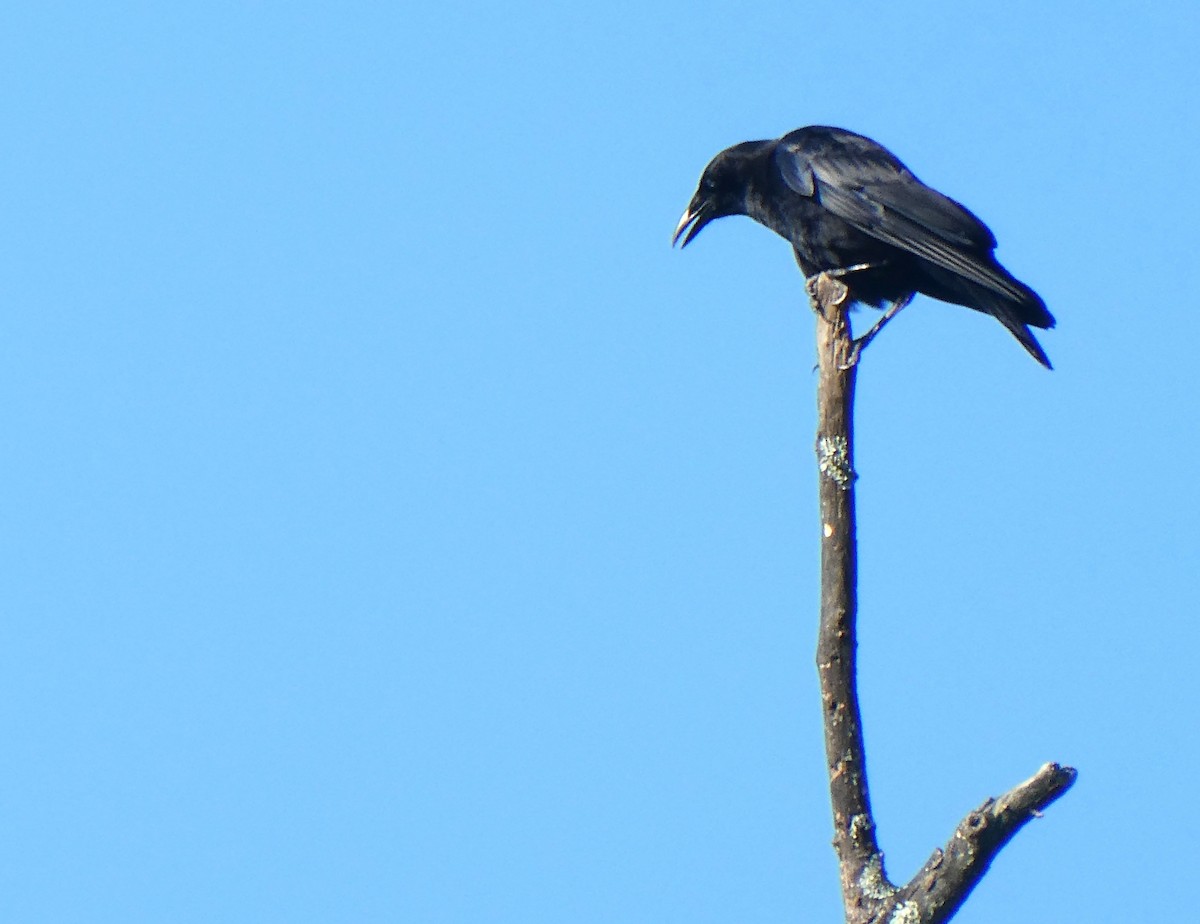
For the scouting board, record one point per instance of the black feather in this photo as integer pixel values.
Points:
(843, 200)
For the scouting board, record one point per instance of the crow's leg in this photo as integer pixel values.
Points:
(893, 309)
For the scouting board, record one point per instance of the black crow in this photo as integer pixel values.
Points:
(849, 208)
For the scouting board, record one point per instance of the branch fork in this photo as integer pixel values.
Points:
(947, 878)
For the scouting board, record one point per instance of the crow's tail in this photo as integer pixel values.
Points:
(1017, 309)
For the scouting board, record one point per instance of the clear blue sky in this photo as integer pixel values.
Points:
(393, 528)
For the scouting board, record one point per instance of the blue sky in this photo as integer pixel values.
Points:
(394, 528)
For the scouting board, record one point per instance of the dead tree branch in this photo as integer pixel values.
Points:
(948, 877)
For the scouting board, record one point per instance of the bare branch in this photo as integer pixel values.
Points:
(854, 827)
(939, 889)
(948, 877)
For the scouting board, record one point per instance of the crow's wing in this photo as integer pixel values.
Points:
(865, 185)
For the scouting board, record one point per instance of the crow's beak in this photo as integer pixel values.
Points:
(698, 213)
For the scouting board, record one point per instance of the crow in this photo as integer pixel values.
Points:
(852, 210)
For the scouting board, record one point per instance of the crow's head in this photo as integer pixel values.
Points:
(724, 187)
